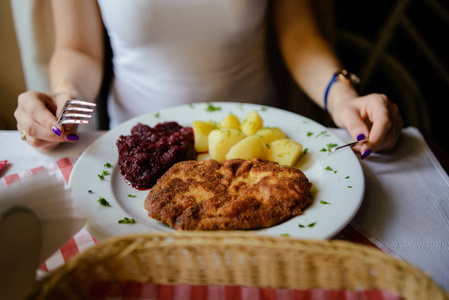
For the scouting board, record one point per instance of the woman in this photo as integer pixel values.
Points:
(173, 52)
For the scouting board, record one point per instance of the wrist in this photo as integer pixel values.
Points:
(340, 88)
(67, 89)
(341, 93)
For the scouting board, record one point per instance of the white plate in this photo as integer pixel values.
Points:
(337, 179)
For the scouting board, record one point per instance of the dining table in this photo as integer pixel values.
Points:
(404, 212)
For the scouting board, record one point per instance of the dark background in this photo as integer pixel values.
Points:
(413, 66)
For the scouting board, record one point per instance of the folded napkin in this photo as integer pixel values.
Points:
(46, 195)
(3, 164)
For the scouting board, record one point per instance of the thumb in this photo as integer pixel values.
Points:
(354, 124)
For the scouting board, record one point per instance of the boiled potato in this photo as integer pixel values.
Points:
(202, 156)
(230, 121)
(201, 132)
(248, 148)
(252, 123)
(284, 151)
(221, 140)
(270, 134)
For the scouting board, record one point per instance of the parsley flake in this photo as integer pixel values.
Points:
(210, 107)
(328, 168)
(330, 146)
(324, 202)
(89, 191)
(323, 134)
(107, 165)
(126, 220)
(132, 196)
(285, 234)
(311, 224)
(101, 176)
(103, 202)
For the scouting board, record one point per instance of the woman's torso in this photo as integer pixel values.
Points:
(171, 52)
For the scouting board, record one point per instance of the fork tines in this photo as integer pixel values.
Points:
(76, 112)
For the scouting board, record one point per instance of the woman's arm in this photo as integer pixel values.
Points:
(76, 71)
(312, 63)
(76, 66)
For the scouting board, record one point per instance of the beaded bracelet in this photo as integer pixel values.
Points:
(344, 76)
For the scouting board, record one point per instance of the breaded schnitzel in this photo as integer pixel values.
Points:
(228, 195)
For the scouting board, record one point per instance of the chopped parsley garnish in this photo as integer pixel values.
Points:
(103, 202)
(102, 174)
(323, 134)
(328, 168)
(305, 150)
(323, 150)
(311, 224)
(285, 234)
(347, 177)
(309, 133)
(263, 109)
(210, 107)
(191, 105)
(324, 202)
(131, 196)
(126, 220)
(330, 146)
(89, 191)
(157, 115)
(350, 186)
(107, 165)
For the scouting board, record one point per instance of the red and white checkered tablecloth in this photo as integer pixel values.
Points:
(133, 290)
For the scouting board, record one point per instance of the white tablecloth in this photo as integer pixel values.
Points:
(405, 209)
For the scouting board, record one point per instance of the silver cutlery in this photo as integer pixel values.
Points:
(76, 112)
(352, 144)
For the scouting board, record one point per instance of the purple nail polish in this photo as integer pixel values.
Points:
(56, 130)
(72, 137)
(360, 137)
(366, 154)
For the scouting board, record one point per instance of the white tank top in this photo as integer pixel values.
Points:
(171, 52)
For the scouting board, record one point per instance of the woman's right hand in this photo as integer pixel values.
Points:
(36, 116)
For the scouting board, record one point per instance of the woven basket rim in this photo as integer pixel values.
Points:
(262, 259)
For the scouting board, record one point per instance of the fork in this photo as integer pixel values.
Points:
(352, 144)
(76, 112)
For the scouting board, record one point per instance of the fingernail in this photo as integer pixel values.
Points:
(366, 154)
(72, 137)
(360, 137)
(56, 130)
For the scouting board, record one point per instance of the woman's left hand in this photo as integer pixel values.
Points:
(372, 116)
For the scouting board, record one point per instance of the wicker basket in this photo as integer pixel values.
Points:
(231, 258)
